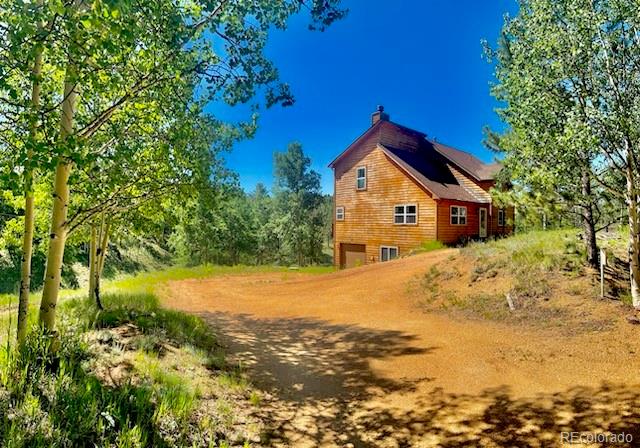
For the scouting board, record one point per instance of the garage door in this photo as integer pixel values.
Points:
(352, 255)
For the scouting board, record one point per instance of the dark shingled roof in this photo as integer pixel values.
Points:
(468, 162)
(429, 168)
(432, 164)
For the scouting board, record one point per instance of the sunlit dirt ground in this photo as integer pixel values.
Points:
(352, 359)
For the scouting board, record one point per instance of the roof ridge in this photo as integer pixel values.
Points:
(356, 140)
(456, 149)
(415, 131)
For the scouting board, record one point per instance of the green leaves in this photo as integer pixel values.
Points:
(143, 70)
(540, 80)
(224, 225)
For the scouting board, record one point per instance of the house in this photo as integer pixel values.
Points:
(394, 189)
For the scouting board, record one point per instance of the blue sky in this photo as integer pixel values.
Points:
(421, 59)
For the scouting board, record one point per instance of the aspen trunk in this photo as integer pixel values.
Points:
(92, 263)
(58, 233)
(103, 247)
(632, 204)
(96, 241)
(588, 221)
(100, 255)
(29, 208)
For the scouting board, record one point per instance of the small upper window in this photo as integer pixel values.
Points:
(501, 217)
(405, 214)
(458, 215)
(361, 178)
(339, 213)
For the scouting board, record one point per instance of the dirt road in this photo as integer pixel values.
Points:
(350, 359)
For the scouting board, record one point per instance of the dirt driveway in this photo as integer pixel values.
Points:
(350, 359)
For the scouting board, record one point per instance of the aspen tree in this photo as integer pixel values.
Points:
(57, 235)
(97, 254)
(29, 206)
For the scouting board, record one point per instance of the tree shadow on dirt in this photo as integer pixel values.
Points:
(315, 371)
(323, 391)
(495, 418)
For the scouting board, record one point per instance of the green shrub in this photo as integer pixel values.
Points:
(429, 283)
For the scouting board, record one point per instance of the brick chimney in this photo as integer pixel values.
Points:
(378, 115)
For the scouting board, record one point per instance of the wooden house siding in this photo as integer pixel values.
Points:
(507, 229)
(474, 188)
(494, 228)
(453, 233)
(369, 213)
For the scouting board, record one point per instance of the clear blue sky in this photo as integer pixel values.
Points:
(421, 59)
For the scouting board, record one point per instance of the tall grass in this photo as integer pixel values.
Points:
(144, 311)
(541, 250)
(52, 398)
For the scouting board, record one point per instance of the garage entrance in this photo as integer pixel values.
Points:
(352, 255)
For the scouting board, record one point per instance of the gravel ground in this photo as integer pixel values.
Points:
(351, 359)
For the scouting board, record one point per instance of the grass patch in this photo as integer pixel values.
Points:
(146, 281)
(485, 305)
(626, 298)
(430, 284)
(178, 396)
(528, 267)
(428, 246)
(51, 401)
(144, 311)
(64, 399)
(529, 258)
(546, 250)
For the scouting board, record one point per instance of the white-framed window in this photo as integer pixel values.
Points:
(361, 178)
(501, 217)
(458, 215)
(388, 253)
(405, 214)
(339, 213)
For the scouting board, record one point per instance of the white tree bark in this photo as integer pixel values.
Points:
(29, 206)
(58, 233)
(632, 205)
